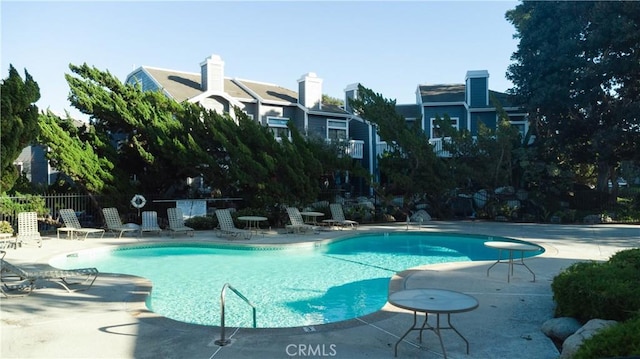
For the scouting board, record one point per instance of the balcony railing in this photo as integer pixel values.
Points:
(352, 148)
(355, 149)
(382, 147)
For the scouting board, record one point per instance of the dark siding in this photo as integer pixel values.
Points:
(351, 94)
(317, 126)
(478, 92)
(453, 111)
(488, 118)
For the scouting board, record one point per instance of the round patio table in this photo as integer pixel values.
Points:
(252, 222)
(434, 301)
(311, 217)
(511, 247)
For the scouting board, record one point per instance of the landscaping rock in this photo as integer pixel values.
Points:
(560, 328)
(420, 216)
(573, 342)
(597, 218)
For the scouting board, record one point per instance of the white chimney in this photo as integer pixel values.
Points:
(310, 90)
(212, 71)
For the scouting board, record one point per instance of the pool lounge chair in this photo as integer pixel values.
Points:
(114, 223)
(176, 222)
(150, 222)
(28, 229)
(338, 219)
(72, 225)
(297, 223)
(228, 228)
(15, 278)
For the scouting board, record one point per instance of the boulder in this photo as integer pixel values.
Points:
(597, 218)
(420, 216)
(560, 328)
(573, 342)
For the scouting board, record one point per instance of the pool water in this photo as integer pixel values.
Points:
(289, 285)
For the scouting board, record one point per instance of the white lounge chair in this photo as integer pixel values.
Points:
(72, 225)
(114, 223)
(24, 280)
(176, 222)
(150, 222)
(28, 229)
(297, 222)
(227, 227)
(338, 219)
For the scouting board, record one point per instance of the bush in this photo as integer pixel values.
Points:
(610, 290)
(620, 340)
(10, 206)
(201, 223)
(5, 227)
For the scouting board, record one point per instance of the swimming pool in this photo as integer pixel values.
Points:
(290, 285)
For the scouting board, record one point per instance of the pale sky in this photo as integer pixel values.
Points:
(388, 46)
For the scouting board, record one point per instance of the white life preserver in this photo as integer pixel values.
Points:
(138, 201)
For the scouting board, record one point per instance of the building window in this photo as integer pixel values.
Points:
(278, 125)
(435, 129)
(337, 130)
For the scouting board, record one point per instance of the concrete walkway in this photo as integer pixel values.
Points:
(111, 321)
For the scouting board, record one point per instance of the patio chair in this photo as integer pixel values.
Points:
(228, 228)
(176, 222)
(72, 225)
(24, 280)
(114, 223)
(297, 222)
(28, 229)
(338, 218)
(150, 222)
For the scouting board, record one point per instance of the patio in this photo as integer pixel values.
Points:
(111, 320)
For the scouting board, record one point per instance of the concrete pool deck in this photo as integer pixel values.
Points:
(110, 320)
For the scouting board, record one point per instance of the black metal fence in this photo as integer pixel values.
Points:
(87, 213)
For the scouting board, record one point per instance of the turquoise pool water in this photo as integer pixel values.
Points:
(289, 285)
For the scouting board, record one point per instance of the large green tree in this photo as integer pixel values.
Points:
(19, 122)
(410, 165)
(577, 72)
(144, 142)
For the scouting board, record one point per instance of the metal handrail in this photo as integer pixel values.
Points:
(223, 341)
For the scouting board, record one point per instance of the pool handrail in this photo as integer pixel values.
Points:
(223, 341)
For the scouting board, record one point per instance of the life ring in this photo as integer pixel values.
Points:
(138, 201)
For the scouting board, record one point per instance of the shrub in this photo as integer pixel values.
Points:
(610, 290)
(5, 227)
(24, 203)
(620, 340)
(201, 223)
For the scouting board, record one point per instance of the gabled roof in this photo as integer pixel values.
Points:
(269, 92)
(186, 85)
(442, 93)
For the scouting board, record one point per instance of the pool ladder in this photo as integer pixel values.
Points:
(224, 341)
